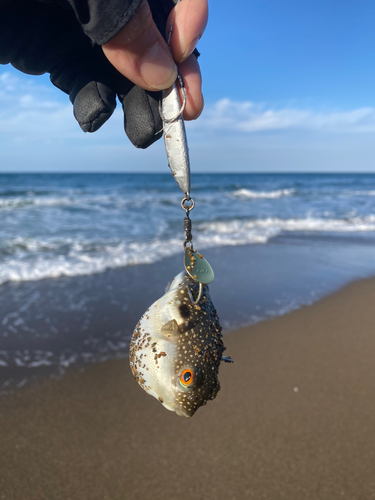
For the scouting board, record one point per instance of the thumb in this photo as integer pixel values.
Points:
(140, 53)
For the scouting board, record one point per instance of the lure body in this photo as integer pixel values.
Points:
(175, 138)
(176, 348)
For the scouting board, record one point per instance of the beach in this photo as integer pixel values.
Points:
(294, 419)
(83, 255)
(81, 259)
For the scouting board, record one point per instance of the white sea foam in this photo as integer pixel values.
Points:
(36, 259)
(26, 201)
(89, 201)
(363, 193)
(248, 194)
(82, 258)
(100, 202)
(40, 362)
(239, 227)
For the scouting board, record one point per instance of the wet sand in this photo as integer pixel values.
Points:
(295, 419)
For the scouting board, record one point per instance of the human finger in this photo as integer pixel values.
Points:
(189, 20)
(140, 53)
(191, 75)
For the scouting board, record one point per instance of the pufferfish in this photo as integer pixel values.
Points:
(177, 347)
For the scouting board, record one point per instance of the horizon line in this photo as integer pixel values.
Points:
(328, 172)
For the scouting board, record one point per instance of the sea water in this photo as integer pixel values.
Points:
(56, 225)
(83, 255)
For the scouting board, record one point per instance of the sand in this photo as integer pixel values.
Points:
(295, 419)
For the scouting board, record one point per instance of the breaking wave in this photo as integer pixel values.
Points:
(86, 201)
(363, 193)
(236, 227)
(248, 194)
(26, 259)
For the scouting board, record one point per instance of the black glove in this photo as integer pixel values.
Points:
(38, 37)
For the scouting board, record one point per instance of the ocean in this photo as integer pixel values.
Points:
(82, 255)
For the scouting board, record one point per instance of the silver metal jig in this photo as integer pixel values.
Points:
(171, 111)
(175, 137)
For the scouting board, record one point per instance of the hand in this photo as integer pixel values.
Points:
(140, 53)
(38, 37)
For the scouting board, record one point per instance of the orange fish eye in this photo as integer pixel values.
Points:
(186, 378)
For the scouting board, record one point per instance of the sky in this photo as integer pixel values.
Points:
(289, 87)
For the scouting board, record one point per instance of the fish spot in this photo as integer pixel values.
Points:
(184, 311)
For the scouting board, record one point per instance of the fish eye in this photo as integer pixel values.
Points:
(186, 378)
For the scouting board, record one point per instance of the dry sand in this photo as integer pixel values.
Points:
(295, 420)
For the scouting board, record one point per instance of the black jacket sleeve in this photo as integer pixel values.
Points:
(101, 20)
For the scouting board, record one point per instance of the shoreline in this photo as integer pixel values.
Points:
(50, 325)
(294, 419)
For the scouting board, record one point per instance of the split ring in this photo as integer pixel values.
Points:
(187, 208)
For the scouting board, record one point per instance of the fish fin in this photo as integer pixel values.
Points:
(167, 287)
(170, 327)
(227, 359)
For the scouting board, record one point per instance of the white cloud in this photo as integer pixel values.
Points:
(33, 113)
(38, 132)
(14, 88)
(248, 117)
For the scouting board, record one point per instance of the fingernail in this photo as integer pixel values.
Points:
(158, 68)
(190, 48)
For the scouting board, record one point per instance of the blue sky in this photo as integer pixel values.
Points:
(288, 86)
